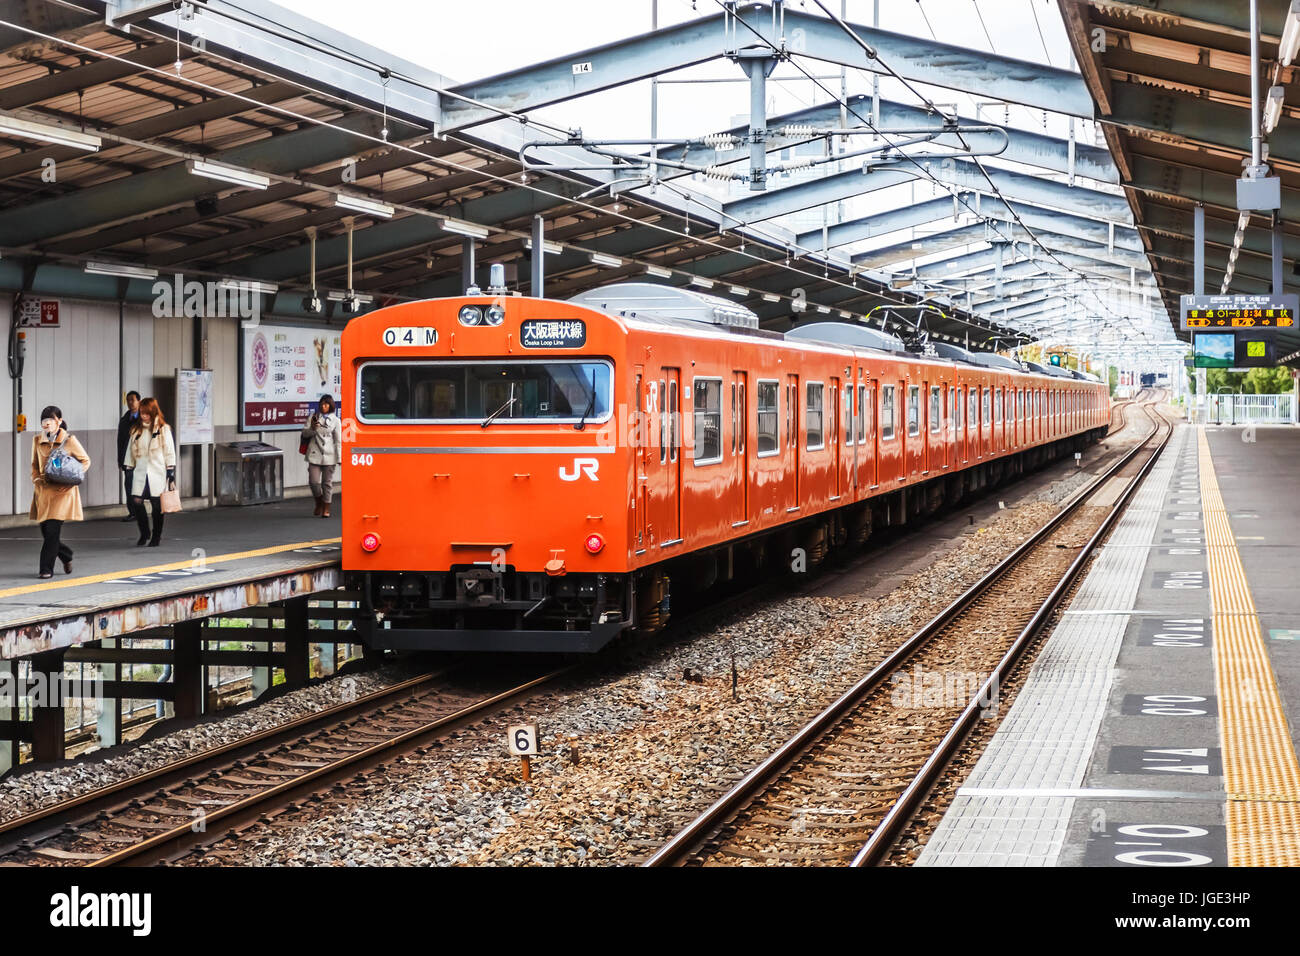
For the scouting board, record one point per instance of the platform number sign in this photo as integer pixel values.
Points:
(522, 740)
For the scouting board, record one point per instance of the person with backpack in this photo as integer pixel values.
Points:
(59, 464)
(322, 444)
(151, 456)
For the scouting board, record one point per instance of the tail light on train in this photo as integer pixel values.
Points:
(370, 541)
(595, 543)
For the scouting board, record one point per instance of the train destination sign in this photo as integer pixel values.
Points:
(1239, 312)
(559, 334)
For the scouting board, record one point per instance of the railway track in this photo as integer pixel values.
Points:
(843, 788)
(165, 813)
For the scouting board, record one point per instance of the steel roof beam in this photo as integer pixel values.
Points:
(1031, 149)
(1166, 113)
(979, 232)
(118, 199)
(990, 206)
(687, 44)
(959, 173)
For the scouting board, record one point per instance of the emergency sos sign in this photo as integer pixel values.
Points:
(402, 335)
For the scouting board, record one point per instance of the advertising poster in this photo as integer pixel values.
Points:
(284, 370)
(194, 406)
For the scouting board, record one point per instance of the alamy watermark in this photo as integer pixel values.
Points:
(192, 299)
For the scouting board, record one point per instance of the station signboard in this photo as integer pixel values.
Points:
(1209, 312)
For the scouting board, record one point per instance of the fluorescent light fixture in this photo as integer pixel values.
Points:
(262, 288)
(739, 290)
(1290, 45)
(771, 297)
(228, 174)
(548, 247)
(362, 298)
(845, 315)
(121, 270)
(1273, 107)
(46, 133)
(702, 282)
(380, 210)
(463, 228)
(600, 259)
(824, 309)
(658, 271)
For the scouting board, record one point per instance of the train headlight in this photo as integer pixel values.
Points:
(595, 543)
(494, 315)
(370, 541)
(471, 315)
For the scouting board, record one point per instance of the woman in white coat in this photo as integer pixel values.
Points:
(151, 453)
(323, 443)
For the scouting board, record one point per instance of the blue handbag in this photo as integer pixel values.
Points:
(62, 469)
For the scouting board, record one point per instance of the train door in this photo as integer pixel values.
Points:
(739, 445)
(872, 423)
(792, 462)
(663, 510)
(641, 432)
(927, 426)
(834, 414)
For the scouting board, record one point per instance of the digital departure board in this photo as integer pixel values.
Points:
(1205, 312)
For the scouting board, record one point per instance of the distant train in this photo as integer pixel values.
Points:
(530, 474)
(1148, 379)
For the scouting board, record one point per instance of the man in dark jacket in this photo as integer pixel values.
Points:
(124, 427)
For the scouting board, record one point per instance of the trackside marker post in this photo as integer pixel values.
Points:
(521, 739)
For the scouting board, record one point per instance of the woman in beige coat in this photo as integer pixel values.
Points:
(323, 436)
(151, 454)
(53, 504)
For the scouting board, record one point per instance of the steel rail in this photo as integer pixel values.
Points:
(678, 849)
(909, 801)
(184, 836)
(44, 821)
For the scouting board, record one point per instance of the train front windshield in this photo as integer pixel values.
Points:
(479, 391)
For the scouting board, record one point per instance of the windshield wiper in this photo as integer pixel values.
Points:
(582, 422)
(509, 404)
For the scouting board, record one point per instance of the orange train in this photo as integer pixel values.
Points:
(530, 474)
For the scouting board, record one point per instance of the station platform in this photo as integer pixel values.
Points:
(1158, 725)
(208, 561)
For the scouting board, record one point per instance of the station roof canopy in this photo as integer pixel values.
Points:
(1171, 84)
(225, 140)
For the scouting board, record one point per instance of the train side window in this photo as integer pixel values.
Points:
(913, 409)
(864, 413)
(887, 416)
(707, 421)
(663, 420)
(848, 415)
(674, 423)
(768, 418)
(936, 409)
(734, 429)
(997, 407)
(972, 408)
(958, 407)
(815, 417)
(986, 406)
(952, 408)
(742, 425)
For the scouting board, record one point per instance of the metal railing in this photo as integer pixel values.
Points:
(1232, 409)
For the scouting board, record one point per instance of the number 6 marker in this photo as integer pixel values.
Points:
(522, 741)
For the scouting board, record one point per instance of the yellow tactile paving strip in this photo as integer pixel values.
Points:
(1261, 775)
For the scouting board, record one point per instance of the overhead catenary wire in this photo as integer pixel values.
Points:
(775, 243)
(932, 107)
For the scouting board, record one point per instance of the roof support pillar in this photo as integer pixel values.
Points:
(1198, 246)
(757, 64)
(1277, 255)
(467, 264)
(539, 257)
